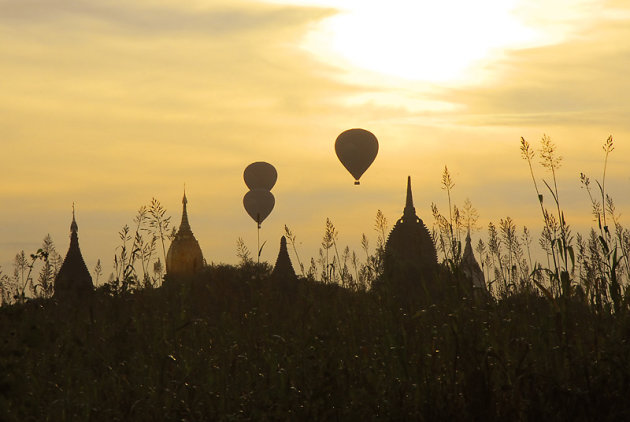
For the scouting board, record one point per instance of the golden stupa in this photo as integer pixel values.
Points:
(184, 257)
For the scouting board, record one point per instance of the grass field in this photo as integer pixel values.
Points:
(234, 344)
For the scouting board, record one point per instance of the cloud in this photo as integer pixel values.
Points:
(582, 81)
(151, 17)
(189, 66)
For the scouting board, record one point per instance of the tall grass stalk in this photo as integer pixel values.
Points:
(556, 232)
(291, 239)
(604, 256)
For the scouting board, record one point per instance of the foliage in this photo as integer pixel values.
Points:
(226, 346)
(138, 249)
(604, 258)
(346, 269)
(447, 232)
(557, 239)
(50, 268)
(596, 268)
(291, 238)
(17, 287)
(242, 252)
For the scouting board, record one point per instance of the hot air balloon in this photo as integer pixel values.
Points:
(356, 149)
(260, 175)
(258, 203)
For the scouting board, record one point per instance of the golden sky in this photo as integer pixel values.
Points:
(110, 103)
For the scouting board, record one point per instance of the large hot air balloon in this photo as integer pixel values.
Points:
(356, 149)
(260, 175)
(258, 203)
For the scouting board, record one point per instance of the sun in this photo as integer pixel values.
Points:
(422, 41)
(437, 41)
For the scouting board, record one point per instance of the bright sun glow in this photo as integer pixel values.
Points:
(418, 40)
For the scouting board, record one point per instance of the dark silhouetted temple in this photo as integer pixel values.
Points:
(73, 277)
(471, 268)
(184, 257)
(409, 251)
(283, 270)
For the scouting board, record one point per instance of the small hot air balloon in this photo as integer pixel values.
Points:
(258, 203)
(260, 175)
(356, 149)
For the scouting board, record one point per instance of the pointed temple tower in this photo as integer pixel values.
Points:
(283, 269)
(409, 251)
(184, 257)
(73, 277)
(471, 268)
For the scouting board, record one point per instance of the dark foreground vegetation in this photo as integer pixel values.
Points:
(236, 345)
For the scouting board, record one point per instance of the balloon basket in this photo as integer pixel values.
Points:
(356, 182)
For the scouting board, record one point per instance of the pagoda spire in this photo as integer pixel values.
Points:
(73, 276)
(409, 213)
(185, 225)
(74, 228)
(74, 232)
(470, 266)
(283, 268)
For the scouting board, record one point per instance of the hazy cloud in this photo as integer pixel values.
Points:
(148, 17)
(582, 81)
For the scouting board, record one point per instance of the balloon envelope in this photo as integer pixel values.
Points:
(258, 203)
(260, 175)
(356, 149)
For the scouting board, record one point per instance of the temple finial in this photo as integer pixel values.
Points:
(74, 228)
(185, 225)
(409, 210)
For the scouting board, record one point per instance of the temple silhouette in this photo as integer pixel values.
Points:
(283, 270)
(73, 277)
(184, 257)
(409, 250)
(470, 267)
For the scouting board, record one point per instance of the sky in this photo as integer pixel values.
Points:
(108, 104)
